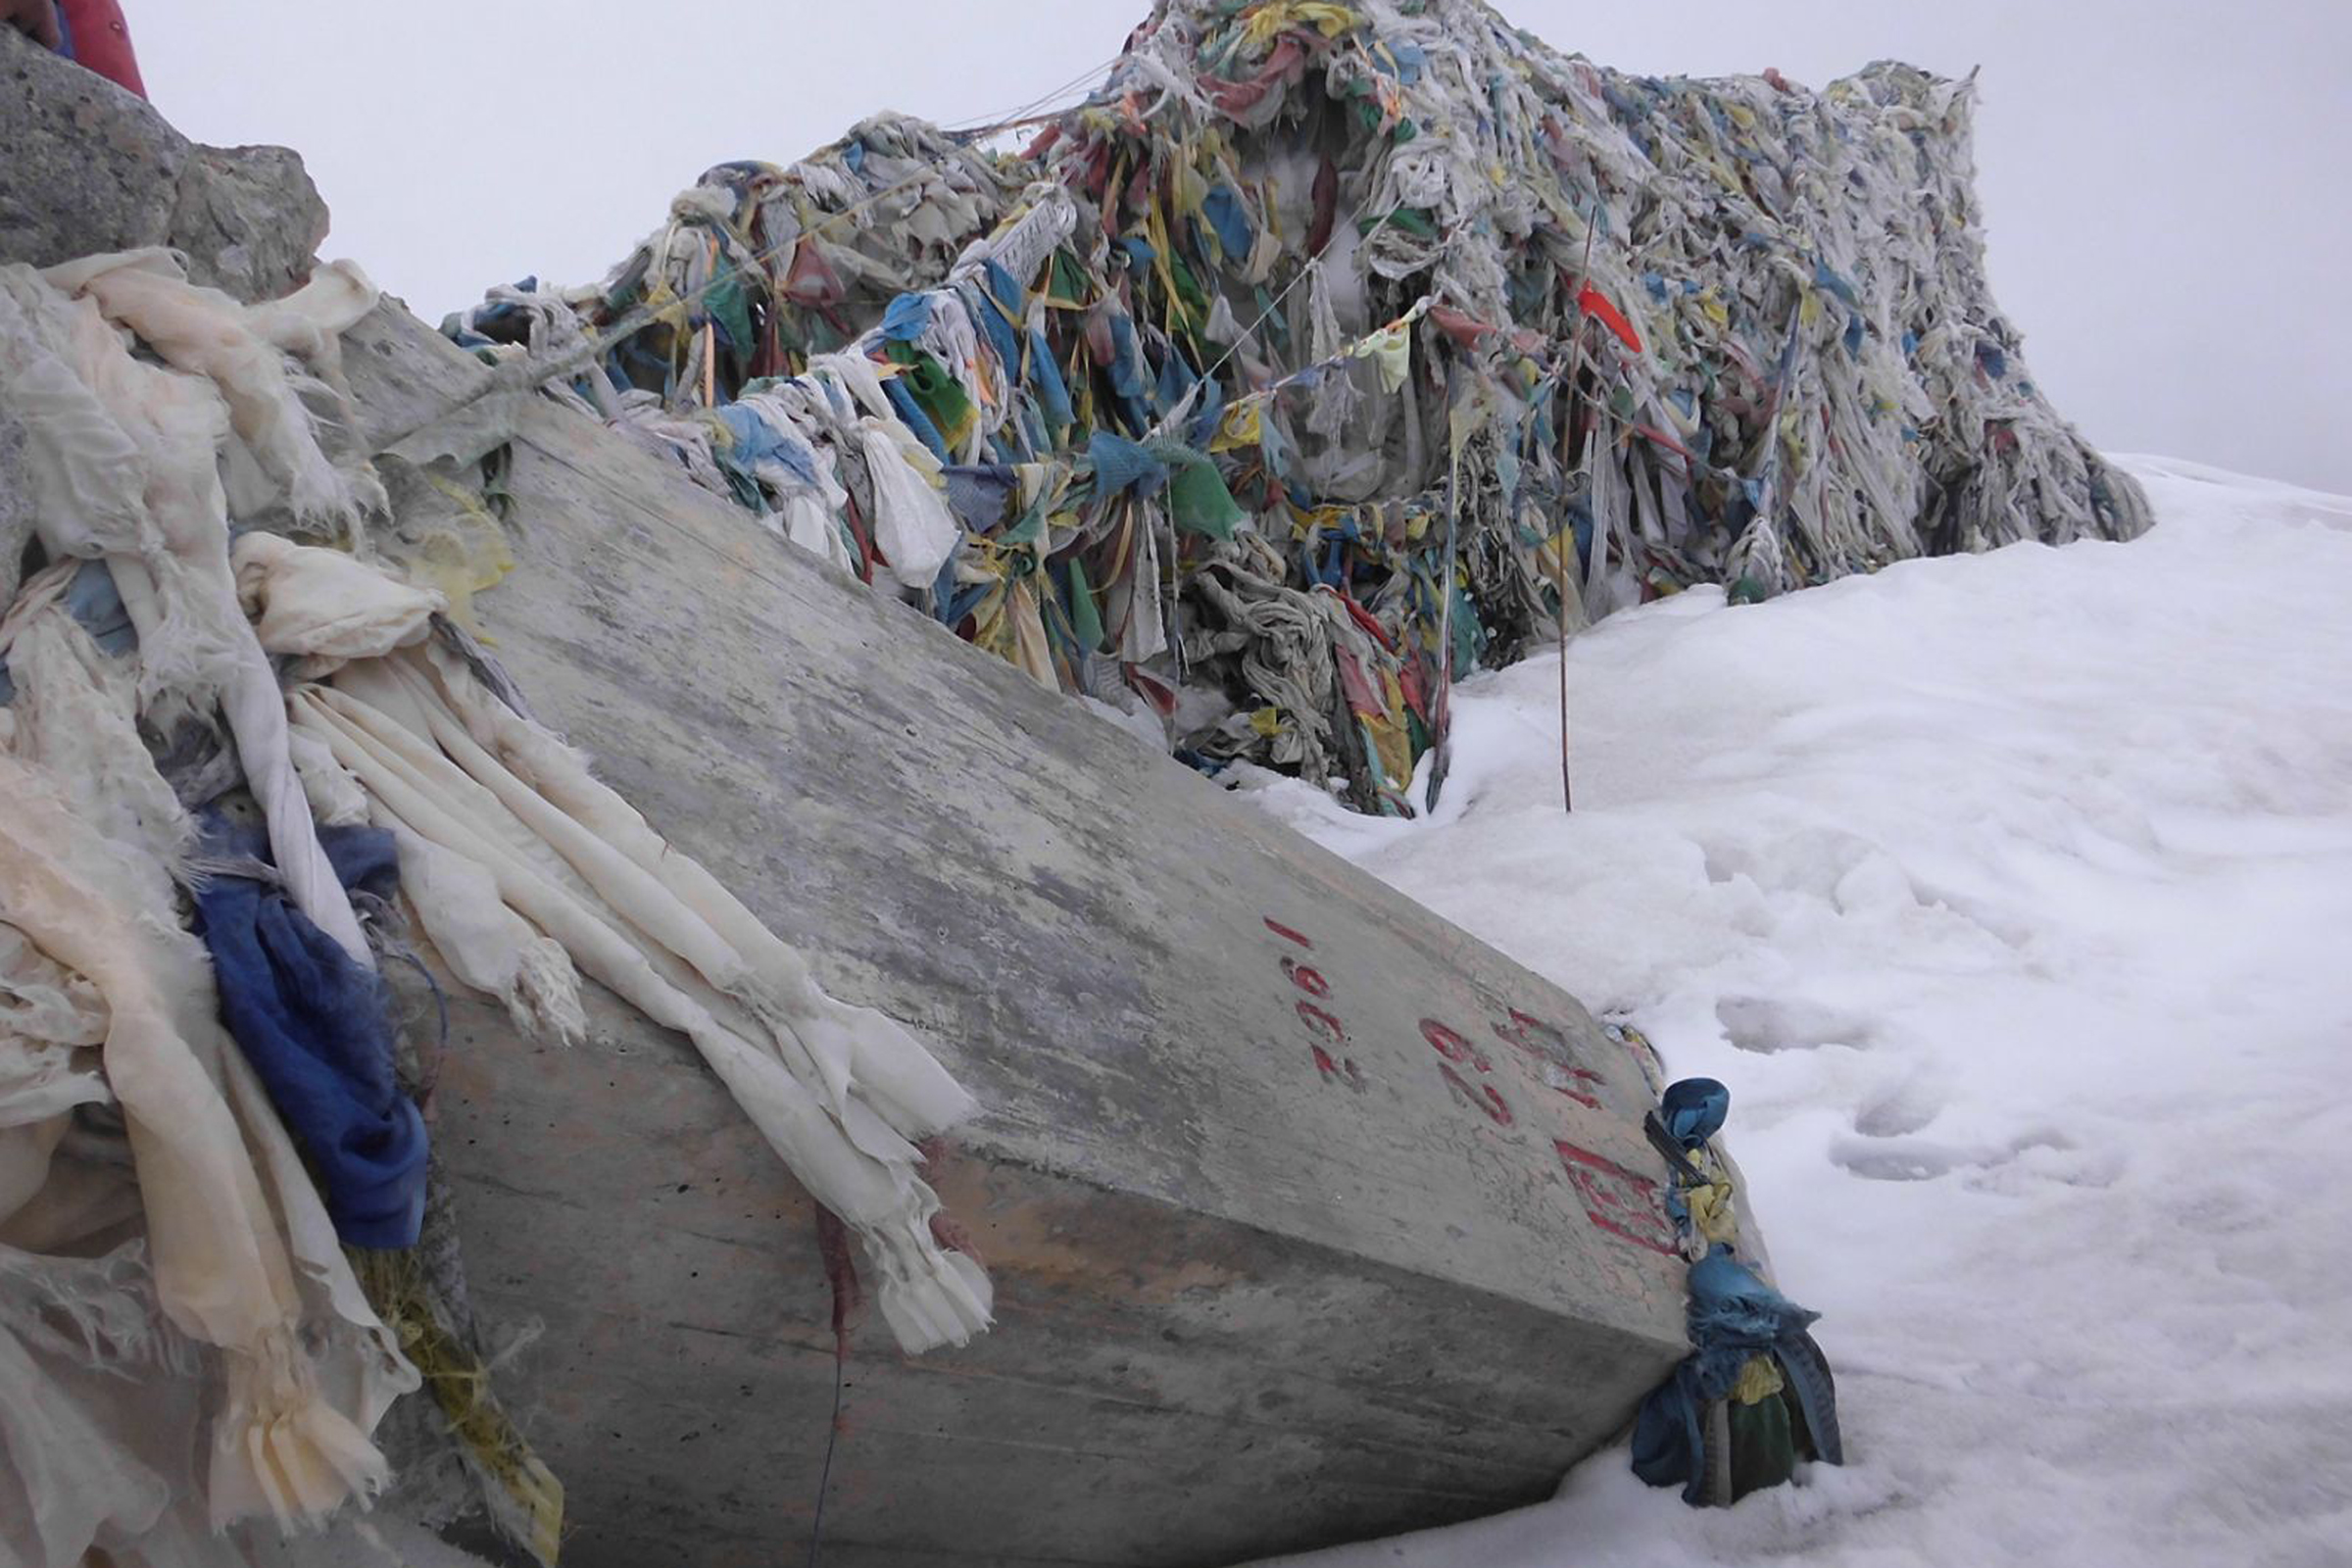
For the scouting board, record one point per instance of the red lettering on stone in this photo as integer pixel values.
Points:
(1617, 1201)
(1285, 933)
(1315, 1017)
(1548, 1047)
(1555, 1058)
(1479, 1097)
(1308, 980)
(1343, 1070)
(1452, 1046)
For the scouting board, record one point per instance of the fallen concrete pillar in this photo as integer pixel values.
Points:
(1309, 1216)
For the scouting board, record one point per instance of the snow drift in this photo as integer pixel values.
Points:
(2008, 895)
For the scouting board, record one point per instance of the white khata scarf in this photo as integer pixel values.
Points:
(514, 857)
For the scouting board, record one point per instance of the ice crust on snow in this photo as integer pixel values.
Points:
(2012, 897)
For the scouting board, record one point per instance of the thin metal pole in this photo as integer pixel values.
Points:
(816, 1529)
(1565, 539)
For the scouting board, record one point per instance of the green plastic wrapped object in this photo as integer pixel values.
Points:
(937, 393)
(1086, 620)
(1199, 502)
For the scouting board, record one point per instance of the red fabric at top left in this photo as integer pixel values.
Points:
(101, 41)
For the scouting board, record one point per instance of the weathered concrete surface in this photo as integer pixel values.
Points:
(1246, 1301)
(1290, 1243)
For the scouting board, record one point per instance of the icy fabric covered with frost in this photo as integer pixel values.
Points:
(2012, 897)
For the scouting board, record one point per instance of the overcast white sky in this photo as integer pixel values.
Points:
(2164, 182)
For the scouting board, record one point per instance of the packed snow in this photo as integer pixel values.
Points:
(2012, 897)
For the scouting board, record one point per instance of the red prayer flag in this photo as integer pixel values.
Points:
(1596, 303)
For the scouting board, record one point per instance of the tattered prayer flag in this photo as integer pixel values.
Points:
(1596, 304)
